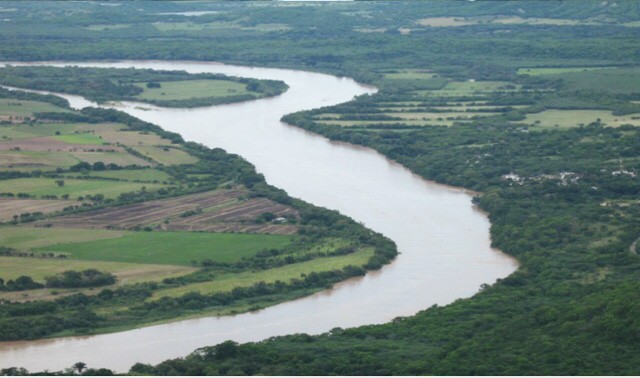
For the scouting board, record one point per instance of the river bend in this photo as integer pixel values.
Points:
(443, 240)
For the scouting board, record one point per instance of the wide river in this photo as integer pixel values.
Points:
(443, 239)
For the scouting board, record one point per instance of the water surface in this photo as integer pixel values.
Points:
(443, 240)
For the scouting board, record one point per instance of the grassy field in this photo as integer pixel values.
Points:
(119, 158)
(573, 118)
(50, 129)
(557, 70)
(25, 108)
(226, 282)
(74, 188)
(175, 248)
(615, 81)
(166, 156)
(188, 89)
(198, 27)
(148, 174)
(108, 27)
(40, 268)
(407, 118)
(132, 138)
(467, 88)
(12, 206)
(81, 138)
(503, 20)
(26, 238)
(38, 159)
(408, 75)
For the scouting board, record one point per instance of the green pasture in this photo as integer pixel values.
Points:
(228, 281)
(188, 89)
(108, 27)
(26, 238)
(73, 187)
(557, 70)
(22, 131)
(148, 174)
(167, 156)
(39, 159)
(408, 75)
(613, 81)
(80, 138)
(40, 268)
(174, 248)
(573, 118)
(119, 158)
(26, 108)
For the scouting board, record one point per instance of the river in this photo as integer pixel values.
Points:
(442, 238)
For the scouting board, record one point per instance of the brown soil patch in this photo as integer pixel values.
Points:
(10, 207)
(221, 211)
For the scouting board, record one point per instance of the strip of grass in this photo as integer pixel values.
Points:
(134, 174)
(39, 268)
(228, 281)
(188, 89)
(176, 248)
(84, 138)
(557, 70)
(25, 108)
(74, 188)
(25, 238)
(166, 156)
(39, 159)
(409, 75)
(573, 118)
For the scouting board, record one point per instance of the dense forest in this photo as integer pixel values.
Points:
(554, 153)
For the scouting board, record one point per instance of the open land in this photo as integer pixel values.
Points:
(127, 199)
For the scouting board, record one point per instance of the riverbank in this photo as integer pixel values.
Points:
(361, 184)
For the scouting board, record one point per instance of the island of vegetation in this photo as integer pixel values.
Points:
(533, 104)
(176, 89)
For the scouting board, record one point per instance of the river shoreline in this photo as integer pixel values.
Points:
(443, 240)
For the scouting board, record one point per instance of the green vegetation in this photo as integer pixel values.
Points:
(85, 278)
(557, 70)
(13, 267)
(226, 282)
(25, 238)
(73, 188)
(188, 89)
(148, 175)
(174, 248)
(24, 108)
(164, 88)
(84, 138)
(574, 118)
(562, 200)
(96, 208)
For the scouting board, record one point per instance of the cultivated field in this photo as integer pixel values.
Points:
(72, 187)
(10, 207)
(215, 211)
(27, 238)
(173, 248)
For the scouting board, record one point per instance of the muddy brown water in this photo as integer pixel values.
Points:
(443, 240)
